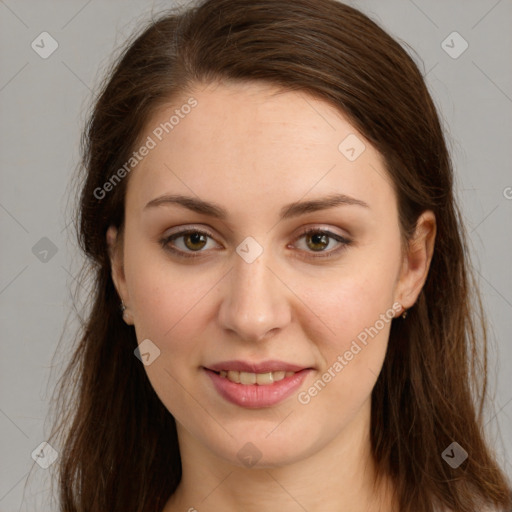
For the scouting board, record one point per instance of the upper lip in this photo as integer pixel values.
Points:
(252, 367)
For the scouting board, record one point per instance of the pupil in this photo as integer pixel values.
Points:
(319, 239)
(195, 239)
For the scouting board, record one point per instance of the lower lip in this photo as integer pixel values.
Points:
(254, 396)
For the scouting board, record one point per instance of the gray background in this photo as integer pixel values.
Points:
(43, 103)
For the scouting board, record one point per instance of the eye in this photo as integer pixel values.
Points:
(319, 239)
(195, 240)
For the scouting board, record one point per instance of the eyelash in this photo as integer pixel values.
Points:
(182, 254)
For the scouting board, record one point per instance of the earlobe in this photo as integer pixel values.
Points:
(417, 259)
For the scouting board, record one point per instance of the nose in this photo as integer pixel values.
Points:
(255, 302)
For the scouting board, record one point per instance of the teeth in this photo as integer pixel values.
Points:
(262, 379)
(247, 378)
(233, 376)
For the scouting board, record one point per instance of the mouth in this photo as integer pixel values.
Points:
(256, 385)
(249, 378)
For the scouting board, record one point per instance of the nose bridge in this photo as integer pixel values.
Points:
(254, 302)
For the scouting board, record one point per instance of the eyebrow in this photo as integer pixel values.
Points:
(287, 212)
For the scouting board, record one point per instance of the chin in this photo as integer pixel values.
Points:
(258, 452)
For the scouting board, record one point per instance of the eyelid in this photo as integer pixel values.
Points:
(315, 228)
(187, 228)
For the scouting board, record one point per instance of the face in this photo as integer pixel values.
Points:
(301, 319)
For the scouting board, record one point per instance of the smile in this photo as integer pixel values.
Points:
(255, 386)
(261, 379)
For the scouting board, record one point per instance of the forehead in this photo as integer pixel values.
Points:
(251, 142)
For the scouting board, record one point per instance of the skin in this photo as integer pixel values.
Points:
(252, 149)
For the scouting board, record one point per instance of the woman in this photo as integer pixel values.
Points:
(283, 313)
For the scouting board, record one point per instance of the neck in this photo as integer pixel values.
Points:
(338, 477)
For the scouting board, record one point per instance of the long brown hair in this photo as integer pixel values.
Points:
(119, 445)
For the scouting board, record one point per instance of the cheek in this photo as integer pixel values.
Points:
(353, 300)
(169, 309)
(354, 311)
(164, 295)
(351, 350)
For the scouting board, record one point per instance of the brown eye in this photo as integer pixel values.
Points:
(189, 242)
(317, 240)
(193, 240)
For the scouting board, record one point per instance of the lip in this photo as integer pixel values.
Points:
(254, 396)
(263, 367)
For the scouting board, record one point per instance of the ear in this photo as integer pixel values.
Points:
(416, 261)
(115, 251)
